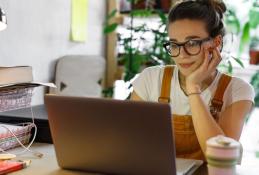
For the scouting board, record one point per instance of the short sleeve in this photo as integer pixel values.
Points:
(239, 90)
(145, 85)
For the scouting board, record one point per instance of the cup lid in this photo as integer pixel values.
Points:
(223, 142)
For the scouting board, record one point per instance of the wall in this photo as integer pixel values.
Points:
(38, 34)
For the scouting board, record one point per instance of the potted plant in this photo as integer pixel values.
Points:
(255, 84)
(254, 51)
(234, 30)
(249, 32)
(137, 51)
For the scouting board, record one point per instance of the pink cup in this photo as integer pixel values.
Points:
(222, 155)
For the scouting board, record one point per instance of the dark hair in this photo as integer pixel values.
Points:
(209, 11)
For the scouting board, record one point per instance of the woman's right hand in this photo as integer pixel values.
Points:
(212, 58)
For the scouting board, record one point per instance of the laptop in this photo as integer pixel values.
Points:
(113, 136)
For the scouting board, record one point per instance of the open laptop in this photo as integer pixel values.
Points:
(113, 136)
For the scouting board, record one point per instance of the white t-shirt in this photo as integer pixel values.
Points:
(148, 86)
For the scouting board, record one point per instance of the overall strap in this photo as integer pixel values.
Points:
(217, 101)
(166, 85)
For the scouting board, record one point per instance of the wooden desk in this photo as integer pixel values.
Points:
(47, 165)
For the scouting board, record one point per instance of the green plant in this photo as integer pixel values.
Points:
(255, 84)
(108, 92)
(242, 27)
(138, 51)
(233, 25)
(247, 36)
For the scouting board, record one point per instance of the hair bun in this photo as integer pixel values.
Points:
(217, 5)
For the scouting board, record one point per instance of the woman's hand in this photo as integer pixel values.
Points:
(206, 69)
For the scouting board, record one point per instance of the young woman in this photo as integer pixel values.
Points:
(204, 102)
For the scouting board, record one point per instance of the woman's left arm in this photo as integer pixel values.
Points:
(232, 119)
(204, 124)
(230, 123)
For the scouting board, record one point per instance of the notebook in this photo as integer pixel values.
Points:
(113, 136)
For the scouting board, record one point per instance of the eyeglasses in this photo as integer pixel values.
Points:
(191, 47)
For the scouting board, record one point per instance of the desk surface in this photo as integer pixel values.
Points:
(47, 165)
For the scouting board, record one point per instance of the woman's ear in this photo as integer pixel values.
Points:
(218, 41)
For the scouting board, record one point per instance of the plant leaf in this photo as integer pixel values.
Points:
(111, 14)
(162, 16)
(232, 22)
(133, 1)
(239, 61)
(245, 37)
(230, 67)
(110, 28)
(254, 17)
(141, 13)
(255, 83)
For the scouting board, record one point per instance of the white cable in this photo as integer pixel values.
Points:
(21, 144)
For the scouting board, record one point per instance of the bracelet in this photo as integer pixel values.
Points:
(193, 93)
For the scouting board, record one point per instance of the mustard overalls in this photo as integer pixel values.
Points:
(186, 142)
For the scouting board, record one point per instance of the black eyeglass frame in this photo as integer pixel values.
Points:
(183, 45)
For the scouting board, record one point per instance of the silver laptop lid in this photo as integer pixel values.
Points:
(111, 136)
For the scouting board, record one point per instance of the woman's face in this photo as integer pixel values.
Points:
(181, 31)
